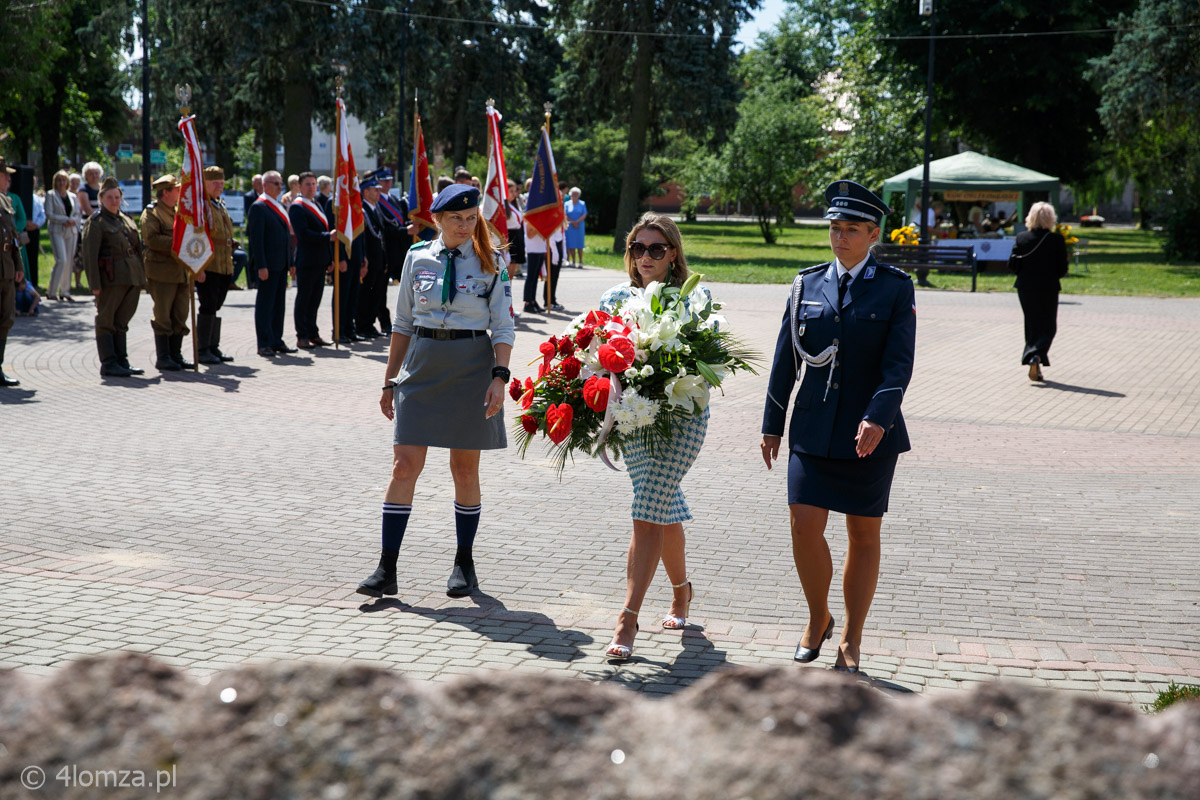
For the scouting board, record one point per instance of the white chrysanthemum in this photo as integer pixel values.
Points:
(687, 391)
(635, 411)
(647, 371)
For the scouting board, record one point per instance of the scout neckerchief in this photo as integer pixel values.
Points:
(277, 207)
(311, 206)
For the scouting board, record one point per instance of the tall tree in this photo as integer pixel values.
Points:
(649, 64)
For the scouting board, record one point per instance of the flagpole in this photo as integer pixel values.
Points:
(337, 262)
(416, 127)
(549, 244)
(184, 93)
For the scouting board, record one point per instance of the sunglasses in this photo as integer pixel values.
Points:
(657, 251)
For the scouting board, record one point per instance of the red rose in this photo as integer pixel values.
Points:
(526, 399)
(596, 318)
(515, 389)
(570, 367)
(584, 337)
(595, 393)
(558, 422)
(617, 354)
(565, 346)
(529, 423)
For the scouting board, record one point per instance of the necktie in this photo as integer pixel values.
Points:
(449, 277)
(842, 284)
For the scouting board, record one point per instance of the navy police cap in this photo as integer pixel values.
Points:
(851, 201)
(457, 197)
(381, 174)
(370, 181)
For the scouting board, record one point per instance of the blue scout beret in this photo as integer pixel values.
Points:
(369, 182)
(851, 201)
(457, 197)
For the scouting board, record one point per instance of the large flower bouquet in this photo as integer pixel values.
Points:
(634, 372)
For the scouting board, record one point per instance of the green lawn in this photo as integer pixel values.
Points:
(1120, 262)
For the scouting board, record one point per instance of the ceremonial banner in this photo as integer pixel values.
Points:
(544, 208)
(495, 190)
(420, 190)
(190, 239)
(347, 200)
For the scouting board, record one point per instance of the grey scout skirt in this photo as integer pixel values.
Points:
(439, 396)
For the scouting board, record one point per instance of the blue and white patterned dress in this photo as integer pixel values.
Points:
(657, 496)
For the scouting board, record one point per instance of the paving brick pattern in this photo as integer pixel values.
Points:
(1040, 533)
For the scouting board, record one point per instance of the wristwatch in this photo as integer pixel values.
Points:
(503, 373)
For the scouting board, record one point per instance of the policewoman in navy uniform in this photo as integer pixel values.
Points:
(446, 375)
(852, 322)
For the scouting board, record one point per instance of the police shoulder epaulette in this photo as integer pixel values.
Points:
(817, 268)
(419, 245)
(899, 273)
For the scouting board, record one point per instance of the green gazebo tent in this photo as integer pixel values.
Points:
(972, 172)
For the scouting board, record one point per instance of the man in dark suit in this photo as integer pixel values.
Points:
(394, 212)
(349, 272)
(373, 292)
(314, 258)
(270, 233)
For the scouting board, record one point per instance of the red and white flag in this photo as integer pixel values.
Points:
(347, 200)
(190, 240)
(495, 190)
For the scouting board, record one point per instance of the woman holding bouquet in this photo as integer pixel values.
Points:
(853, 322)
(654, 253)
(444, 385)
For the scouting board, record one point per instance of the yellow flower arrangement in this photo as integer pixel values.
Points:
(1064, 230)
(906, 235)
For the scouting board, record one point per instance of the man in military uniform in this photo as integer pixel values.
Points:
(10, 263)
(373, 292)
(212, 288)
(166, 277)
(112, 257)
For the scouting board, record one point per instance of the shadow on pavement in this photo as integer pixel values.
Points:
(491, 618)
(1066, 387)
(661, 677)
(228, 377)
(10, 396)
(329, 352)
(132, 382)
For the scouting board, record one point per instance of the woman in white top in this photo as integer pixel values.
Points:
(63, 216)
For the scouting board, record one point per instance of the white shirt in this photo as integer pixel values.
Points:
(854, 271)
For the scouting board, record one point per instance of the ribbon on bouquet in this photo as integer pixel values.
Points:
(614, 399)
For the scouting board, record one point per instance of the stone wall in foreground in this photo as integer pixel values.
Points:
(317, 732)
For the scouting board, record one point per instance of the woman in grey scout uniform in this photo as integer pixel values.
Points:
(112, 257)
(853, 322)
(446, 376)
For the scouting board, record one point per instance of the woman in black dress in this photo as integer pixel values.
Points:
(853, 322)
(1040, 260)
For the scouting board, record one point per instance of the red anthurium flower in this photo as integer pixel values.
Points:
(565, 346)
(526, 399)
(558, 422)
(548, 350)
(515, 389)
(570, 366)
(597, 318)
(529, 423)
(584, 337)
(617, 354)
(595, 393)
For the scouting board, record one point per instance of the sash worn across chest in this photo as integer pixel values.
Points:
(312, 207)
(277, 207)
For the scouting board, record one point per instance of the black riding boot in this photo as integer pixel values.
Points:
(162, 348)
(175, 349)
(119, 344)
(462, 578)
(110, 366)
(204, 330)
(215, 346)
(383, 579)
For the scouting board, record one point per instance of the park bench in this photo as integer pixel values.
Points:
(909, 257)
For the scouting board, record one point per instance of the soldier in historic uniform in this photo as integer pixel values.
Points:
(218, 275)
(10, 262)
(853, 323)
(166, 277)
(112, 257)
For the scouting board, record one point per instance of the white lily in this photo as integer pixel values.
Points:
(688, 390)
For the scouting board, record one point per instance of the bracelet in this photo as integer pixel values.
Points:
(503, 373)
(389, 386)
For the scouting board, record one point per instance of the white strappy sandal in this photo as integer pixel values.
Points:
(673, 623)
(620, 652)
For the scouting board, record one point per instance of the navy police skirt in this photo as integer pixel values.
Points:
(858, 486)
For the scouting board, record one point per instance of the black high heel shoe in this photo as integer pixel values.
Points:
(807, 654)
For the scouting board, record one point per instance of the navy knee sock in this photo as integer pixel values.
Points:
(466, 523)
(395, 520)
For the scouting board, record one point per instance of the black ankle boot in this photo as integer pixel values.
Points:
(383, 579)
(462, 580)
